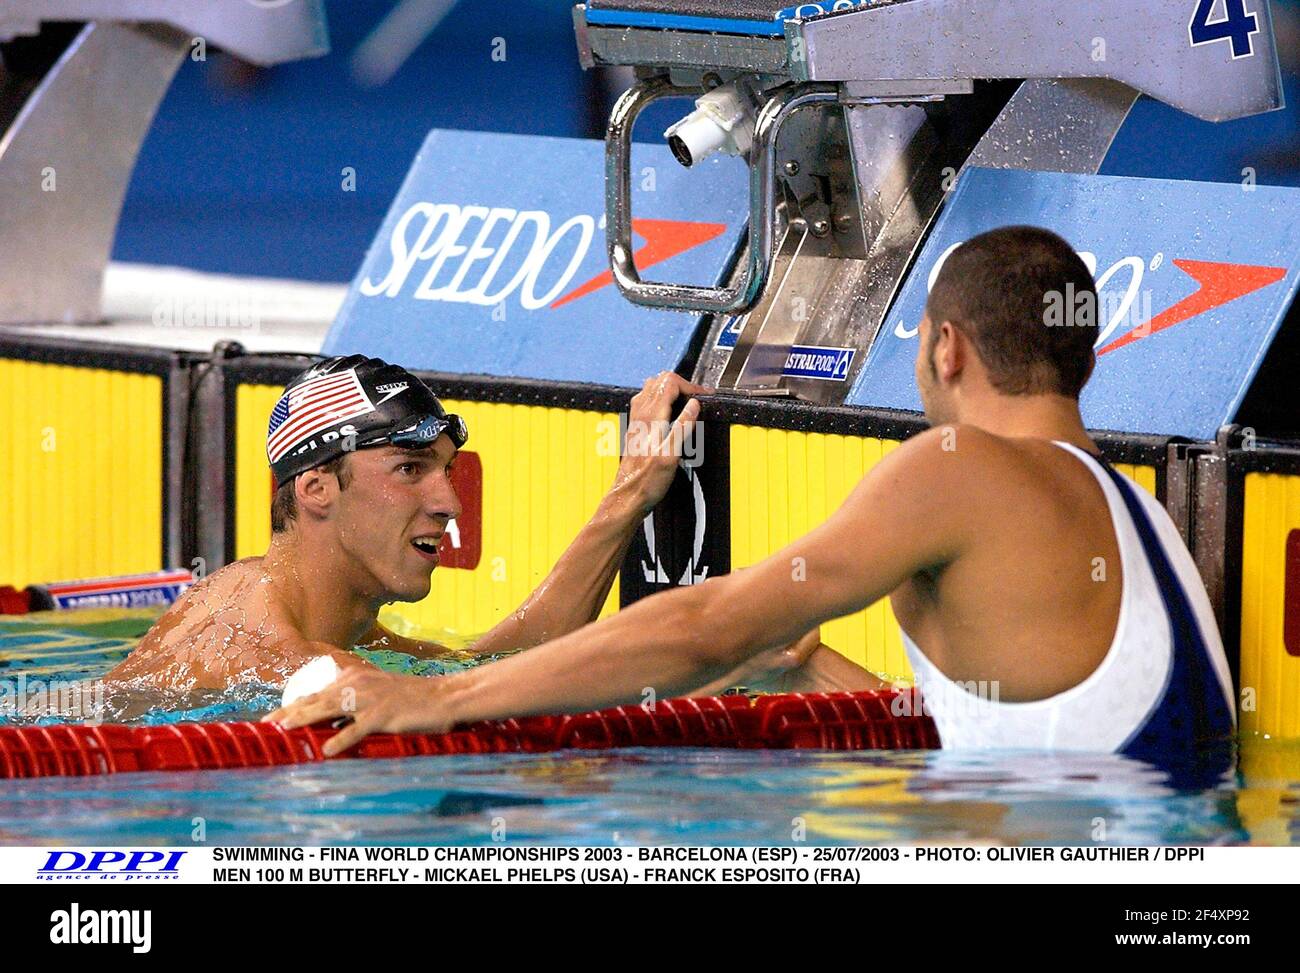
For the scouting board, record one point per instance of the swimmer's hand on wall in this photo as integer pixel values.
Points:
(655, 442)
(572, 594)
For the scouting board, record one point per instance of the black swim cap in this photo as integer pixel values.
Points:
(341, 404)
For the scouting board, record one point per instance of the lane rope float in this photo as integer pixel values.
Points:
(827, 721)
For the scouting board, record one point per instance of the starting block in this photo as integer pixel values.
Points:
(858, 116)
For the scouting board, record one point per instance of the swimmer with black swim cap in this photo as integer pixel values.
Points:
(1045, 600)
(362, 454)
(345, 404)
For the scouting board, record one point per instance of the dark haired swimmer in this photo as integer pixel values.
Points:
(362, 452)
(1045, 600)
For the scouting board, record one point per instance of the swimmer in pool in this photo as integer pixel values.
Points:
(362, 453)
(1045, 600)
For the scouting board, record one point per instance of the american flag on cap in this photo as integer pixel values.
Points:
(312, 407)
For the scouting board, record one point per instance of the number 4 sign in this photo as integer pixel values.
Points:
(1237, 25)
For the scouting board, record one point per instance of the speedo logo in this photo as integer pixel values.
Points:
(481, 255)
(389, 390)
(1128, 315)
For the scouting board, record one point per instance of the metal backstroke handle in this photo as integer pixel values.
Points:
(743, 291)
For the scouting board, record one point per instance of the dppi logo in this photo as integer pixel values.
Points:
(135, 866)
(466, 248)
(1218, 284)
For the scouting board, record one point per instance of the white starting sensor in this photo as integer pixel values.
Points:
(723, 121)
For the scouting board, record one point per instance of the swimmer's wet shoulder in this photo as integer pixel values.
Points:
(231, 626)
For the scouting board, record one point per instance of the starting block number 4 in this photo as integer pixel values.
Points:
(1237, 24)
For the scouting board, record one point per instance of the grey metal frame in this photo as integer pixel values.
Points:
(66, 159)
(1144, 45)
(65, 164)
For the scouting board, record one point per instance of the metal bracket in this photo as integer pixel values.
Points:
(741, 293)
(1056, 126)
(65, 164)
(67, 157)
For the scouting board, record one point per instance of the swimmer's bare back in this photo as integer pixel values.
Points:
(1026, 583)
(228, 628)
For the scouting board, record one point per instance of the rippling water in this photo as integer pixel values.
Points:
(50, 661)
(633, 796)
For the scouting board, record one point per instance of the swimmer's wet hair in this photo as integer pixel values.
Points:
(997, 289)
(284, 508)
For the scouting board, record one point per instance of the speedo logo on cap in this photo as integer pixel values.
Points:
(389, 390)
(306, 410)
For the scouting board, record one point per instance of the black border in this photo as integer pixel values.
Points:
(279, 369)
(897, 424)
(799, 416)
(59, 350)
(229, 387)
(1281, 458)
(1233, 555)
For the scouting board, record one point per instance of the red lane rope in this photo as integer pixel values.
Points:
(827, 721)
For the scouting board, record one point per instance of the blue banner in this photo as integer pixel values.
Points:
(1195, 280)
(492, 260)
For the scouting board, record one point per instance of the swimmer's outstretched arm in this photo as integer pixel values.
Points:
(572, 594)
(891, 527)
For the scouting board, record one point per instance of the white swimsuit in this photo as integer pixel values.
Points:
(1163, 686)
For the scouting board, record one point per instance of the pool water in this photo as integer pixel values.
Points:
(642, 796)
(45, 651)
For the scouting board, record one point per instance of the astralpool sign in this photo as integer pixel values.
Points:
(827, 364)
(1195, 280)
(492, 261)
(812, 361)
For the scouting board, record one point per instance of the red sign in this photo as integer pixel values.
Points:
(462, 545)
(1291, 596)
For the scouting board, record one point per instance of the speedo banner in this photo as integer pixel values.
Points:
(492, 260)
(1194, 281)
